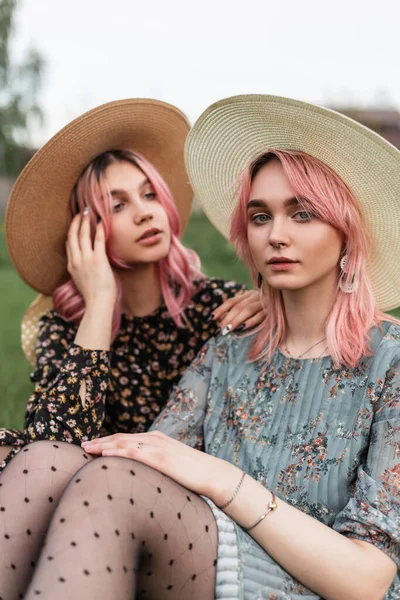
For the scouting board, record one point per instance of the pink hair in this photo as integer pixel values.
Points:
(177, 271)
(323, 193)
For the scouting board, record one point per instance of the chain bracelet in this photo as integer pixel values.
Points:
(231, 499)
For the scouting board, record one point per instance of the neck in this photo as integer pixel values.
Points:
(307, 311)
(141, 290)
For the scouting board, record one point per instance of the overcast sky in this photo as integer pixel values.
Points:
(192, 53)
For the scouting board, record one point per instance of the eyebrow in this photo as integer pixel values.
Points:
(262, 204)
(122, 192)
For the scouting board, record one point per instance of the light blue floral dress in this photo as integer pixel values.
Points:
(326, 440)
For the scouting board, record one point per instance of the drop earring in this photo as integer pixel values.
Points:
(347, 287)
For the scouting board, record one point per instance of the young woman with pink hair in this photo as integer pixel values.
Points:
(273, 472)
(98, 228)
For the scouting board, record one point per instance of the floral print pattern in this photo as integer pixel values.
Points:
(326, 440)
(126, 387)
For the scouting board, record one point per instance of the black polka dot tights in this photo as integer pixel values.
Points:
(115, 529)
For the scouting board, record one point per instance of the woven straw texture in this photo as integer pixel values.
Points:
(30, 325)
(232, 132)
(38, 213)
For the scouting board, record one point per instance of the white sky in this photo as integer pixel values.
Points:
(194, 52)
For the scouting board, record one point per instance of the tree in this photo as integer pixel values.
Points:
(19, 88)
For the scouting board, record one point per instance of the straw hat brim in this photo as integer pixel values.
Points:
(234, 131)
(30, 325)
(38, 210)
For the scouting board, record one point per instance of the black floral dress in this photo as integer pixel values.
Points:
(127, 386)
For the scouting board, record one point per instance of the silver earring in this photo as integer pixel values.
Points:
(348, 287)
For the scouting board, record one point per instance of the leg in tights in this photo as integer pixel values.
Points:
(30, 487)
(123, 530)
(4, 452)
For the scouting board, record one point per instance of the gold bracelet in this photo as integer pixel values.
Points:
(273, 505)
(231, 499)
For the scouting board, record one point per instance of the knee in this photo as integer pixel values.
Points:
(53, 454)
(113, 476)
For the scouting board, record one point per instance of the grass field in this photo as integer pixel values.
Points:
(218, 259)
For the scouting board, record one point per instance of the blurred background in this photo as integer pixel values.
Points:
(58, 60)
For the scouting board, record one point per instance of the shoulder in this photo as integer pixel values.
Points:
(53, 323)
(385, 342)
(212, 289)
(233, 348)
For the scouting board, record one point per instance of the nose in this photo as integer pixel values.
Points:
(142, 214)
(278, 234)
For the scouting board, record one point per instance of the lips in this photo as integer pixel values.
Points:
(281, 260)
(148, 233)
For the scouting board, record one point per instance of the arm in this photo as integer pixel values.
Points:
(357, 558)
(183, 416)
(55, 409)
(71, 379)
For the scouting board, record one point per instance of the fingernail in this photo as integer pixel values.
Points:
(227, 329)
(240, 327)
(210, 318)
(85, 211)
(217, 331)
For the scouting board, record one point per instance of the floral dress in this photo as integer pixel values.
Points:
(324, 439)
(126, 387)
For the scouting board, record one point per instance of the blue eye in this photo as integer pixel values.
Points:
(260, 218)
(117, 206)
(150, 195)
(303, 215)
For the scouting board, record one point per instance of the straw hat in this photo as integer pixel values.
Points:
(234, 131)
(30, 325)
(38, 212)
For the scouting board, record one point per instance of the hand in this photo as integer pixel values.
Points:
(88, 264)
(197, 471)
(243, 310)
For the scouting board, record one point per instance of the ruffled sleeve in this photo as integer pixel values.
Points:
(183, 416)
(373, 512)
(55, 410)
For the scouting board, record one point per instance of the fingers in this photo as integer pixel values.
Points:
(241, 315)
(73, 248)
(229, 304)
(100, 240)
(85, 241)
(124, 452)
(122, 441)
(257, 319)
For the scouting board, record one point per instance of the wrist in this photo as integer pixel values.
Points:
(103, 305)
(225, 481)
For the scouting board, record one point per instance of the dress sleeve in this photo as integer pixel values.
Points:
(373, 512)
(55, 410)
(183, 416)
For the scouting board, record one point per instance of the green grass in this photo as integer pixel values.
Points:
(217, 257)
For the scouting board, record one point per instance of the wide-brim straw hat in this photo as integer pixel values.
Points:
(234, 131)
(38, 210)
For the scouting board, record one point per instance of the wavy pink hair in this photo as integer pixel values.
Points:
(177, 271)
(323, 193)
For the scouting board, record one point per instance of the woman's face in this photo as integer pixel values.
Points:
(291, 248)
(140, 231)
